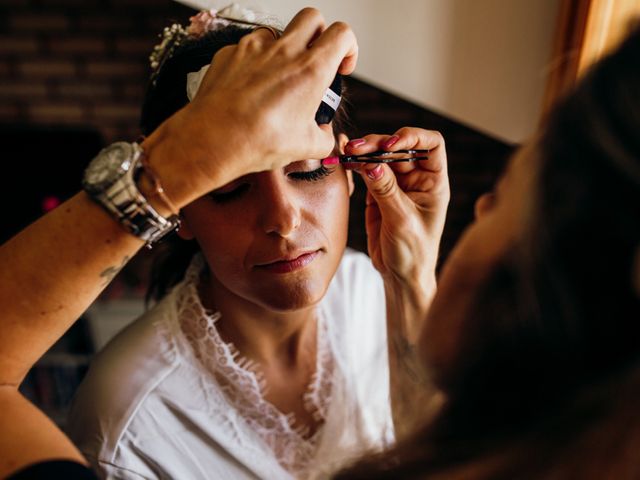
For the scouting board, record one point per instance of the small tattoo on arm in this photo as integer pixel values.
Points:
(108, 274)
(407, 356)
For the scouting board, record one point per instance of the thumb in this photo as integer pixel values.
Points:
(320, 142)
(383, 187)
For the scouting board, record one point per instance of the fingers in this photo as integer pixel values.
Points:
(406, 138)
(337, 48)
(419, 138)
(305, 27)
(413, 138)
(261, 35)
(252, 43)
(384, 192)
(321, 144)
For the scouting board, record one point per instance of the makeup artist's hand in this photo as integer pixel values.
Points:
(406, 206)
(255, 109)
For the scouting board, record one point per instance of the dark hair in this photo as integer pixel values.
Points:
(546, 377)
(167, 94)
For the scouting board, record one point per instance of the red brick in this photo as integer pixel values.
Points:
(133, 91)
(157, 24)
(88, 45)
(104, 23)
(88, 89)
(48, 68)
(18, 45)
(9, 112)
(38, 22)
(135, 46)
(57, 113)
(112, 69)
(5, 69)
(12, 90)
(118, 112)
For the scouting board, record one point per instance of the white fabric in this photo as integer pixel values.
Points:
(154, 403)
(194, 79)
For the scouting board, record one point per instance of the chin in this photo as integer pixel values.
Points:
(298, 295)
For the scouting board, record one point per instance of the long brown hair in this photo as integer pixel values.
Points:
(546, 380)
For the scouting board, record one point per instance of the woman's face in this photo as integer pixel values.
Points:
(274, 238)
(501, 217)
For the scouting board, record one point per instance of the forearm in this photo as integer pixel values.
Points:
(412, 395)
(27, 434)
(51, 272)
(57, 266)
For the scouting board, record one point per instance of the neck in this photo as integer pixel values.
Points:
(260, 334)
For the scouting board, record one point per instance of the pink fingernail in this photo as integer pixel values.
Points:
(376, 173)
(356, 142)
(390, 141)
(329, 161)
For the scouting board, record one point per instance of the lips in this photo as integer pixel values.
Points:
(290, 264)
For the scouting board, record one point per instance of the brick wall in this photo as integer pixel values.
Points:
(79, 62)
(83, 63)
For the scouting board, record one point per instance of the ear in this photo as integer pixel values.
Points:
(342, 143)
(184, 232)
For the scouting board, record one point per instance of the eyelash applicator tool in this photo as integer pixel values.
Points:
(382, 156)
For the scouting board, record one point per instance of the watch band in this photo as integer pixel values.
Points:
(123, 200)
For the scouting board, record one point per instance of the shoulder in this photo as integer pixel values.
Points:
(121, 378)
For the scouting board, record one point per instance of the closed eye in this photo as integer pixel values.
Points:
(312, 175)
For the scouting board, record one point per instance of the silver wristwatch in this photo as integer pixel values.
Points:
(110, 180)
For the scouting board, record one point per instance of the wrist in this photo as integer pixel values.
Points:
(408, 301)
(185, 166)
(148, 189)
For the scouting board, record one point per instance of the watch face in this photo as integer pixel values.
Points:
(108, 166)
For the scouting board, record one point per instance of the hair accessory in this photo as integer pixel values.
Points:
(204, 22)
(172, 37)
(201, 23)
(210, 20)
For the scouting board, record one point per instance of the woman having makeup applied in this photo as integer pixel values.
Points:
(43, 293)
(266, 354)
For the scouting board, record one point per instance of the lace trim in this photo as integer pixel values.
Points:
(244, 385)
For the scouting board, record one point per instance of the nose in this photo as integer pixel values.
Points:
(280, 210)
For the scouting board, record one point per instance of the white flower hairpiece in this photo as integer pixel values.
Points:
(201, 23)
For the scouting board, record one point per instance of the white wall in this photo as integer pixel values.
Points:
(482, 62)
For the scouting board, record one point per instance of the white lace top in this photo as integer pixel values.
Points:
(168, 398)
(243, 384)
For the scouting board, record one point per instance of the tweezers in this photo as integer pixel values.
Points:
(382, 156)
